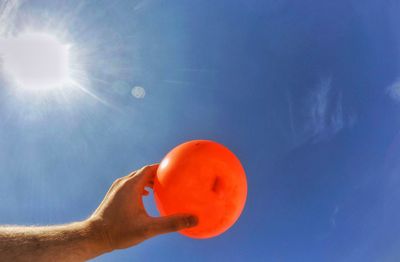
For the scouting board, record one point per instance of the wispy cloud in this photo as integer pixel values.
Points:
(333, 216)
(322, 114)
(326, 113)
(319, 106)
(8, 10)
(394, 90)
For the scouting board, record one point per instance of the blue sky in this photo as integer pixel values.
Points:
(307, 94)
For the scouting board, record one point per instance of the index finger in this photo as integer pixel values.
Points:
(145, 175)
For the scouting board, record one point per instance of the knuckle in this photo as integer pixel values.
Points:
(116, 182)
(124, 183)
(175, 225)
(119, 183)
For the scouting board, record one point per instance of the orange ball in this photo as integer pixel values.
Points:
(203, 178)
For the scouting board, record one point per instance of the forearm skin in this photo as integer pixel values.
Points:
(73, 242)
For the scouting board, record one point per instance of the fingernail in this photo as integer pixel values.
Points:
(192, 221)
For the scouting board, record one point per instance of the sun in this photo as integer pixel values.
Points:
(36, 60)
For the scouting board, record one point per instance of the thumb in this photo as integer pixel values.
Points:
(172, 223)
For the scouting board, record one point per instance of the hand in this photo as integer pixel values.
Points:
(121, 218)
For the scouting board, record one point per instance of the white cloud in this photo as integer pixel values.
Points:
(334, 215)
(394, 90)
(321, 116)
(337, 120)
(326, 113)
(8, 10)
(318, 106)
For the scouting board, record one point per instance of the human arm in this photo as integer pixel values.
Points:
(119, 222)
(71, 242)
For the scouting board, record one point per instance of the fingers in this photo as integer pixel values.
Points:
(167, 224)
(145, 176)
(136, 181)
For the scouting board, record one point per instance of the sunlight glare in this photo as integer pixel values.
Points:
(36, 60)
